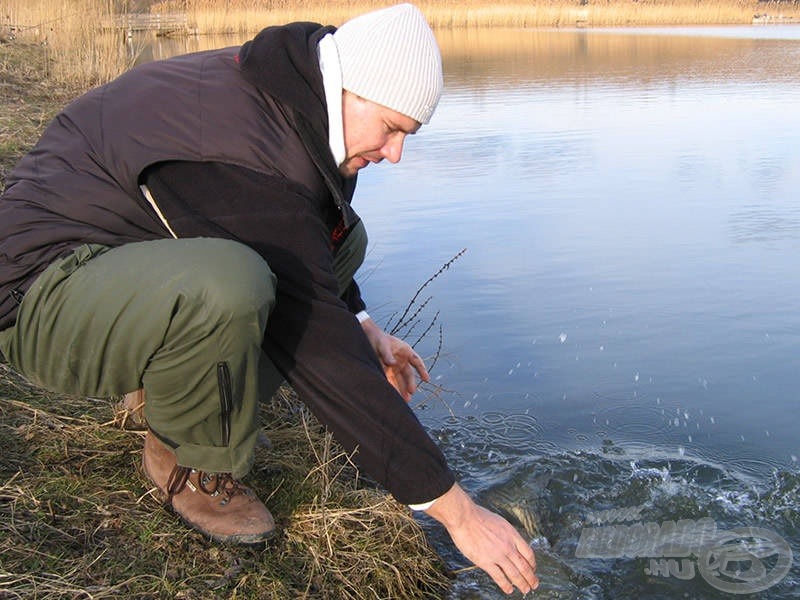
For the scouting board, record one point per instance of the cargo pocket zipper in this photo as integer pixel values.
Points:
(225, 400)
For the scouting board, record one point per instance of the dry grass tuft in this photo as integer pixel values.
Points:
(78, 519)
(28, 100)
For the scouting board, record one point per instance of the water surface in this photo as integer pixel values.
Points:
(623, 328)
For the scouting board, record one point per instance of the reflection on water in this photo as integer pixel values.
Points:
(556, 57)
(514, 56)
(623, 329)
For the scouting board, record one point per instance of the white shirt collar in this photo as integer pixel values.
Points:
(328, 55)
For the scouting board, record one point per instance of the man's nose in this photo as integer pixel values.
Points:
(393, 149)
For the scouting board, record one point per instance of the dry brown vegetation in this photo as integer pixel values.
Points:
(29, 99)
(212, 16)
(80, 47)
(78, 519)
(76, 51)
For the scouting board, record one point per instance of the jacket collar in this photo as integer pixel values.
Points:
(282, 62)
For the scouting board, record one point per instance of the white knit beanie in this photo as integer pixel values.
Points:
(390, 56)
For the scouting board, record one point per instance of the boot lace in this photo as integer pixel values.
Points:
(213, 484)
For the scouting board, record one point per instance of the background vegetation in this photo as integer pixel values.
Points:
(80, 45)
(239, 16)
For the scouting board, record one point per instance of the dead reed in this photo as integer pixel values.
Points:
(82, 47)
(221, 16)
(78, 47)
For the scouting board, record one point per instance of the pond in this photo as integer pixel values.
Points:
(622, 332)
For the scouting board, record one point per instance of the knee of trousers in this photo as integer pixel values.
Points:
(229, 283)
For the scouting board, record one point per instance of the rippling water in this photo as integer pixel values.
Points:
(623, 331)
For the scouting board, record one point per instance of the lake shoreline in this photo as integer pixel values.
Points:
(84, 47)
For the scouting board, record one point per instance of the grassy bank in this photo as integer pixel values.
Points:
(78, 519)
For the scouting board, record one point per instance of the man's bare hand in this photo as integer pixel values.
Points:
(400, 363)
(488, 540)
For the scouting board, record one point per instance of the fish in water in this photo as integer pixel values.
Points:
(516, 499)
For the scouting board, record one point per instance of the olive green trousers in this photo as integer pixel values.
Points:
(182, 318)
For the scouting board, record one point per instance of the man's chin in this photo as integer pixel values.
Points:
(351, 166)
(349, 170)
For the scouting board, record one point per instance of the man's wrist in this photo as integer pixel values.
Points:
(452, 507)
(423, 506)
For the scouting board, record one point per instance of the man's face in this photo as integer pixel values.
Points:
(372, 132)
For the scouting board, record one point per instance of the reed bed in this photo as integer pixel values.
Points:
(220, 16)
(81, 48)
(78, 48)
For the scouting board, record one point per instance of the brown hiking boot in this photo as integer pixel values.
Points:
(214, 503)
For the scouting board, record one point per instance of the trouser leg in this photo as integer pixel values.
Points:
(110, 329)
(350, 256)
(182, 318)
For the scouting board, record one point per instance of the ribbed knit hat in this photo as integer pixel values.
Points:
(390, 56)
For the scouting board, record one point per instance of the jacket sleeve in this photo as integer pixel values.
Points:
(311, 336)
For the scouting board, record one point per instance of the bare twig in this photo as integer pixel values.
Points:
(402, 320)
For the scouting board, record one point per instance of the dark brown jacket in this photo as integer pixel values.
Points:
(251, 123)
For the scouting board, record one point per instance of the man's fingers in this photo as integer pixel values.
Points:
(499, 577)
(411, 380)
(524, 573)
(419, 366)
(515, 570)
(527, 552)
